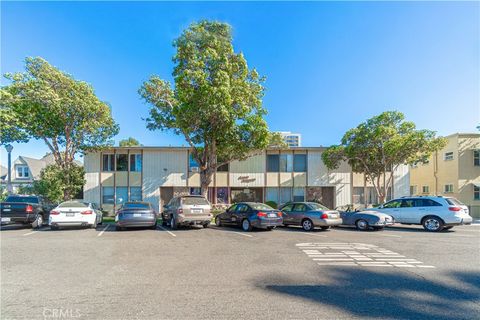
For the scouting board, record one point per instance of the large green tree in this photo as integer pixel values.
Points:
(216, 102)
(129, 142)
(50, 105)
(380, 145)
(59, 184)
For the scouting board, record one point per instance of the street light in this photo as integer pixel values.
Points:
(9, 149)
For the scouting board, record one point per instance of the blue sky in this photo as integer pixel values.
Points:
(329, 65)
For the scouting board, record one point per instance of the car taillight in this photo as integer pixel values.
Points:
(29, 209)
(279, 213)
(54, 212)
(261, 214)
(454, 208)
(87, 212)
(324, 216)
(179, 210)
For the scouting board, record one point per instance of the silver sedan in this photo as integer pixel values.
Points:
(366, 219)
(309, 215)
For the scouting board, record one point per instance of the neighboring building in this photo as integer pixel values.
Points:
(156, 174)
(25, 170)
(291, 139)
(453, 171)
(3, 174)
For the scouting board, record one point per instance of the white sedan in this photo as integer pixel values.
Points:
(75, 213)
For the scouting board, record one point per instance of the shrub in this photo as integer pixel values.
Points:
(272, 204)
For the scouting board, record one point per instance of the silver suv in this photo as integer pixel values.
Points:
(187, 210)
(433, 213)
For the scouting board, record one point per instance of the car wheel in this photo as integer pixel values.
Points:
(246, 225)
(307, 225)
(432, 224)
(101, 220)
(325, 228)
(362, 225)
(173, 223)
(205, 225)
(270, 228)
(38, 222)
(154, 227)
(218, 223)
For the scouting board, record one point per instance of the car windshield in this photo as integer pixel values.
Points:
(22, 199)
(73, 204)
(136, 206)
(317, 206)
(194, 201)
(454, 202)
(260, 206)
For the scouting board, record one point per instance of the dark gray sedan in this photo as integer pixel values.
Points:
(250, 215)
(136, 214)
(366, 219)
(309, 215)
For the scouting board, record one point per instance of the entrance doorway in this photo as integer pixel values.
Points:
(166, 194)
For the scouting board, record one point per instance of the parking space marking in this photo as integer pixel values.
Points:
(314, 234)
(226, 230)
(389, 235)
(357, 254)
(168, 231)
(103, 230)
(33, 232)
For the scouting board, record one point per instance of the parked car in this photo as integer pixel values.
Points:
(365, 219)
(309, 215)
(434, 213)
(187, 210)
(136, 214)
(75, 213)
(250, 215)
(25, 210)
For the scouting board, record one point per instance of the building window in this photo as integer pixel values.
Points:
(223, 168)
(298, 194)
(286, 163)
(122, 162)
(195, 191)
(300, 163)
(193, 164)
(222, 195)
(425, 189)
(108, 163)
(121, 195)
(136, 162)
(476, 192)
(135, 193)
(448, 188)
(448, 156)
(273, 164)
(413, 190)
(108, 195)
(271, 194)
(358, 195)
(285, 195)
(22, 172)
(476, 158)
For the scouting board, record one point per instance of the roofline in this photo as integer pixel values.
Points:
(177, 148)
(475, 134)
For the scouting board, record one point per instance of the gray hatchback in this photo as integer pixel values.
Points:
(309, 215)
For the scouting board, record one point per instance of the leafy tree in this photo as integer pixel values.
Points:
(47, 104)
(381, 144)
(60, 184)
(216, 103)
(130, 142)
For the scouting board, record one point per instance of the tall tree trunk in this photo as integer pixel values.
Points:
(205, 180)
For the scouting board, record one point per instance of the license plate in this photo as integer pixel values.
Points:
(70, 214)
(272, 215)
(136, 215)
(5, 219)
(7, 209)
(196, 210)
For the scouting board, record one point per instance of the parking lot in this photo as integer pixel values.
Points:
(399, 273)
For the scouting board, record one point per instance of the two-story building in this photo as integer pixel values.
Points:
(453, 171)
(156, 174)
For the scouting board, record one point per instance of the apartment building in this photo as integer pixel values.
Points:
(291, 139)
(453, 171)
(156, 174)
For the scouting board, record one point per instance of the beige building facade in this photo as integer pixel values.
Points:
(156, 174)
(453, 171)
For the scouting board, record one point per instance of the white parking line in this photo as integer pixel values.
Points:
(389, 235)
(33, 232)
(104, 229)
(314, 234)
(169, 232)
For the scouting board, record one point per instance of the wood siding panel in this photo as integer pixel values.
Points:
(286, 179)
(91, 189)
(247, 179)
(272, 179)
(300, 179)
(221, 179)
(107, 179)
(255, 164)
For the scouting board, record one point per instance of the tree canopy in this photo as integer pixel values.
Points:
(60, 184)
(129, 142)
(381, 144)
(48, 104)
(216, 100)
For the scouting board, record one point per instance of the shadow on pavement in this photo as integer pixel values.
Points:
(394, 295)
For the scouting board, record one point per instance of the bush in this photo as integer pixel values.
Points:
(272, 204)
